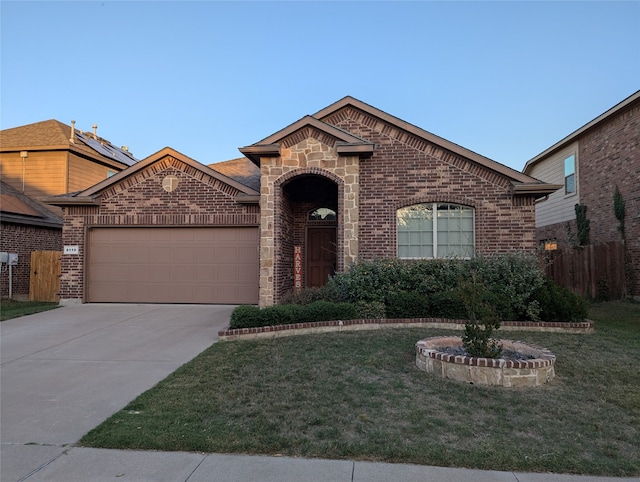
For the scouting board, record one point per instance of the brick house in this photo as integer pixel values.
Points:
(590, 163)
(44, 159)
(25, 226)
(350, 182)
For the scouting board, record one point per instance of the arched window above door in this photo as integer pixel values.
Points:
(322, 214)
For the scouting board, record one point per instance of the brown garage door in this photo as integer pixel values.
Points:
(173, 265)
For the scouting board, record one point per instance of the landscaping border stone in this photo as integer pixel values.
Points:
(277, 331)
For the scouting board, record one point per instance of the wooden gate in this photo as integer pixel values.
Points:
(44, 282)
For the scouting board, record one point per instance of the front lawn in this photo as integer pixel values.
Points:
(14, 309)
(358, 395)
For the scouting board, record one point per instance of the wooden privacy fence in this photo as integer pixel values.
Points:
(594, 271)
(44, 282)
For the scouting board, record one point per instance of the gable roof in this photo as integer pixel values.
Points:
(90, 195)
(349, 101)
(18, 208)
(55, 135)
(626, 103)
(347, 143)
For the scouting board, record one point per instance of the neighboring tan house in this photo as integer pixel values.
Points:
(350, 182)
(50, 158)
(44, 159)
(590, 163)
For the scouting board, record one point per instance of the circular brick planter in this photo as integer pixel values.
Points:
(534, 372)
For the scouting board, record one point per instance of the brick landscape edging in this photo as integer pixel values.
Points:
(277, 331)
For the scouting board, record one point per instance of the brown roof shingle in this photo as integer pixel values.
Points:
(241, 170)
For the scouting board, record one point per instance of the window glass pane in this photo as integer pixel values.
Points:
(415, 231)
(570, 184)
(322, 214)
(569, 165)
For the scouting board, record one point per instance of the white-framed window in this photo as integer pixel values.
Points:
(435, 230)
(570, 174)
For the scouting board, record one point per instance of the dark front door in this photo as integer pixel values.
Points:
(321, 255)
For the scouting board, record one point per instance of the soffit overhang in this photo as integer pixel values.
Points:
(537, 189)
(345, 143)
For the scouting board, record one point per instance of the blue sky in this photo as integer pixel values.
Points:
(504, 79)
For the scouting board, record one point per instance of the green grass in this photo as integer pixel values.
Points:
(358, 395)
(14, 309)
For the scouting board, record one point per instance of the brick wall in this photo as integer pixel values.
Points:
(23, 239)
(406, 170)
(609, 155)
(140, 200)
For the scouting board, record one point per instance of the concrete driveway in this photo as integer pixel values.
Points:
(65, 371)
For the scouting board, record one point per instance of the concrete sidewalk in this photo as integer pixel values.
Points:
(65, 371)
(84, 464)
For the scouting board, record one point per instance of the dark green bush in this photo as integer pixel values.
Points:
(559, 304)
(371, 310)
(251, 316)
(328, 292)
(246, 316)
(511, 277)
(407, 304)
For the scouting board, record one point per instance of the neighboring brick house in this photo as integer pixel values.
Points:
(25, 226)
(44, 159)
(590, 163)
(350, 182)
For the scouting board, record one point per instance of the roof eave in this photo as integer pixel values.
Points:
(579, 132)
(426, 135)
(536, 190)
(255, 152)
(42, 222)
(62, 201)
(362, 150)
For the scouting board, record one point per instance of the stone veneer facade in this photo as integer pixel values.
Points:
(307, 157)
(404, 169)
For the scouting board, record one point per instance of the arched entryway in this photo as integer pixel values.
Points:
(307, 243)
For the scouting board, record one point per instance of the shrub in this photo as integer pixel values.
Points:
(245, 316)
(371, 310)
(328, 292)
(407, 304)
(559, 304)
(483, 320)
(511, 277)
(251, 316)
(326, 310)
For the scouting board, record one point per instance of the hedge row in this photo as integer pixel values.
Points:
(514, 284)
